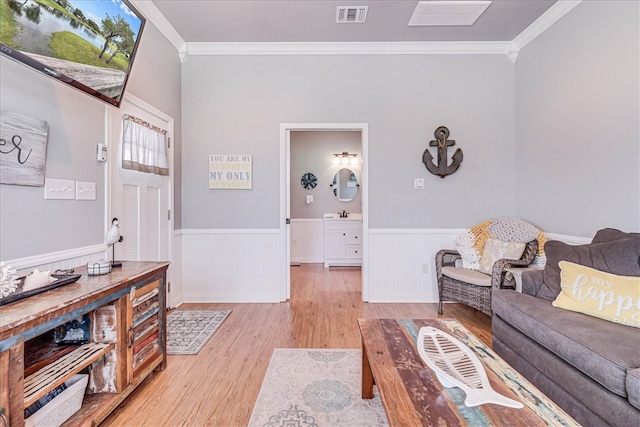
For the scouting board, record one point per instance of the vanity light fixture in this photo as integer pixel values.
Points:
(345, 158)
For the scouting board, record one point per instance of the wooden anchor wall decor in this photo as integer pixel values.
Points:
(442, 169)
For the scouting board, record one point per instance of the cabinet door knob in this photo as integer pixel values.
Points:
(344, 234)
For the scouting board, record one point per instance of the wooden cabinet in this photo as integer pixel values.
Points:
(342, 242)
(127, 340)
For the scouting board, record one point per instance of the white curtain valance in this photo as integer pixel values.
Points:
(144, 146)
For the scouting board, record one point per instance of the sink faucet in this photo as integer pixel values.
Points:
(343, 214)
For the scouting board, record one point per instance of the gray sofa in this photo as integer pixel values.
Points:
(590, 367)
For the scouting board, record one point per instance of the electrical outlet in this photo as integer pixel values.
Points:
(425, 268)
(59, 189)
(418, 183)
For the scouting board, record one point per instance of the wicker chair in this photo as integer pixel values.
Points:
(478, 294)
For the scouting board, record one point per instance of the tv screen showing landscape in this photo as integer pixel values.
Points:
(88, 44)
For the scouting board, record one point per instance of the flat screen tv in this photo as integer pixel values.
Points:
(87, 44)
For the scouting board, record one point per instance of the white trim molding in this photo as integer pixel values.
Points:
(154, 16)
(509, 48)
(346, 48)
(69, 258)
(546, 20)
(570, 240)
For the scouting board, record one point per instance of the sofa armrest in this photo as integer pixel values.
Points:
(531, 282)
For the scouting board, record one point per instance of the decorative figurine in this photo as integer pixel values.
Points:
(113, 236)
(442, 169)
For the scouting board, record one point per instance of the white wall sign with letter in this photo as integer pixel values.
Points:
(23, 149)
(230, 171)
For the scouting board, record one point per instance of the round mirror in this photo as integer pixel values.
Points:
(345, 185)
(308, 181)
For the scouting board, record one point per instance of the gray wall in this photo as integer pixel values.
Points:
(235, 104)
(30, 225)
(577, 121)
(313, 152)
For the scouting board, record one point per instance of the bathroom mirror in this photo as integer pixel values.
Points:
(308, 181)
(345, 185)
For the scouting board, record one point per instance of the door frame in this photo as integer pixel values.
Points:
(285, 192)
(175, 295)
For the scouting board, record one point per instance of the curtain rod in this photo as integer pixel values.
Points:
(143, 123)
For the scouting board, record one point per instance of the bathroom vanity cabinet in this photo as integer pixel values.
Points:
(127, 340)
(342, 242)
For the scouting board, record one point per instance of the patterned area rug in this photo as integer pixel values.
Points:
(315, 388)
(189, 330)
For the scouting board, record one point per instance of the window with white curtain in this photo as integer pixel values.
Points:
(144, 146)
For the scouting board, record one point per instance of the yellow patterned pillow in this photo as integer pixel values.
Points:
(599, 294)
(497, 249)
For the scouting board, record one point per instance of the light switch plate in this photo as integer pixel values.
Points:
(418, 183)
(85, 190)
(59, 189)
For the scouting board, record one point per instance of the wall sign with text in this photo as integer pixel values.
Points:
(230, 171)
(23, 149)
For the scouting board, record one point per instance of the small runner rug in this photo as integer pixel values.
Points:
(315, 388)
(189, 330)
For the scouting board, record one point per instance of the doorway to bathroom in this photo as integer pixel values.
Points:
(324, 174)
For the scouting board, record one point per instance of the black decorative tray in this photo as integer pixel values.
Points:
(63, 279)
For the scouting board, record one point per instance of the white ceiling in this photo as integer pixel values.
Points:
(224, 21)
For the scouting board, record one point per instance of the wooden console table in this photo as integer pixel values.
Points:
(128, 340)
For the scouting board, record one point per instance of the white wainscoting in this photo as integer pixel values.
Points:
(61, 260)
(246, 265)
(307, 240)
(174, 272)
(402, 263)
(224, 265)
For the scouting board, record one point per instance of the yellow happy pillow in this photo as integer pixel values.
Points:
(599, 294)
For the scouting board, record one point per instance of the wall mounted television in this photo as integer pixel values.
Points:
(87, 44)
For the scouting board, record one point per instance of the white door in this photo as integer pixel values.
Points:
(141, 201)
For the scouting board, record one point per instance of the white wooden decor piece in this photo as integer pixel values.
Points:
(23, 149)
(457, 366)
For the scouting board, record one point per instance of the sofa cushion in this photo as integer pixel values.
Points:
(601, 350)
(599, 294)
(609, 234)
(465, 275)
(621, 257)
(633, 387)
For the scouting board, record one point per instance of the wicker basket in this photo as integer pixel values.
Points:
(63, 406)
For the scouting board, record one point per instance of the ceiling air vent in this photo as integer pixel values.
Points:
(351, 14)
(449, 12)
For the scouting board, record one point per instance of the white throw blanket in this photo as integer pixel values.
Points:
(471, 243)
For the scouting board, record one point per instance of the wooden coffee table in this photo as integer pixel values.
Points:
(413, 396)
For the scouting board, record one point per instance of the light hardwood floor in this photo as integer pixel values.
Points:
(219, 386)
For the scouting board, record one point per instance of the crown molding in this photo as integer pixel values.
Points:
(546, 20)
(342, 48)
(510, 49)
(154, 16)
